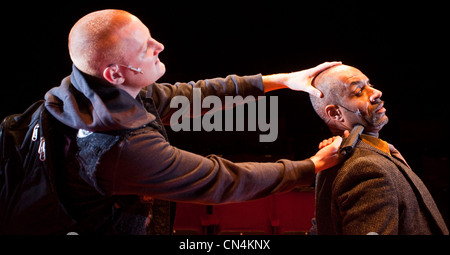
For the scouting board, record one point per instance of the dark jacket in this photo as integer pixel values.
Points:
(141, 162)
(373, 191)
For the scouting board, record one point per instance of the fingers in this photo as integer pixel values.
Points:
(328, 155)
(322, 144)
(314, 72)
(337, 140)
(324, 66)
(334, 139)
(325, 143)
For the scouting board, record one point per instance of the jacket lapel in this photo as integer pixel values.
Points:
(419, 188)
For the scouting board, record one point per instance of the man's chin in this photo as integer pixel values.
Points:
(376, 125)
(161, 73)
(382, 121)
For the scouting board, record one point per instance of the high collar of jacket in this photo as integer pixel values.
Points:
(82, 102)
(376, 142)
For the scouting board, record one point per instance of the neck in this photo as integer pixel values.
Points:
(374, 134)
(340, 131)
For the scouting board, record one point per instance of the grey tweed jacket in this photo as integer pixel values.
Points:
(373, 191)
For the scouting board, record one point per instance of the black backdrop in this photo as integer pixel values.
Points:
(399, 47)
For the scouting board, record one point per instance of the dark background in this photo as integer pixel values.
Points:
(400, 47)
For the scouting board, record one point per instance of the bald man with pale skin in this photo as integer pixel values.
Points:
(113, 101)
(128, 40)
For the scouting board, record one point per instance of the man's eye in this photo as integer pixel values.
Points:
(358, 92)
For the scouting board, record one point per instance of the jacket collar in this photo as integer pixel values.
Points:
(376, 142)
(82, 102)
(390, 152)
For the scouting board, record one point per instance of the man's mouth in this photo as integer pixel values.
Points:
(380, 108)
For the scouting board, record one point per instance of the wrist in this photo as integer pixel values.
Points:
(273, 82)
(318, 164)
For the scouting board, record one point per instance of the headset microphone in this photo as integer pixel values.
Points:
(139, 70)
(357, 110)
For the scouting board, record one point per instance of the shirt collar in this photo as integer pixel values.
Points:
(376, 142)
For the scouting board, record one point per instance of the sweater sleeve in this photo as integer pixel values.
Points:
(232, 85)
(148, 165)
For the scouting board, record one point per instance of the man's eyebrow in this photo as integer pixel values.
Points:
(360, 82)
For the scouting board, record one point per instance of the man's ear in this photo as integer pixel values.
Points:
(113, 75)
(334, 113)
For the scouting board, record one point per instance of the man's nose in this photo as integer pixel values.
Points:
(376, 96)
(158, 47)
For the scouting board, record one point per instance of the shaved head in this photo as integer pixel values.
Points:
(116, 47)
(331, 87)
(94, 42)
(348, 99)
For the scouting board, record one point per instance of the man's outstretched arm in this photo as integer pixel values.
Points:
(300, 80)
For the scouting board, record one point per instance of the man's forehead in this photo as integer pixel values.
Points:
(136, 32)
(356, 80)
(350, 76)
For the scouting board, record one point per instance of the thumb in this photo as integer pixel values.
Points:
(346, 133)
(314, 91)
(333, 143)
(337, 142)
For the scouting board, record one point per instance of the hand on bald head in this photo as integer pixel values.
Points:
(329, 82)
(94, 41)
